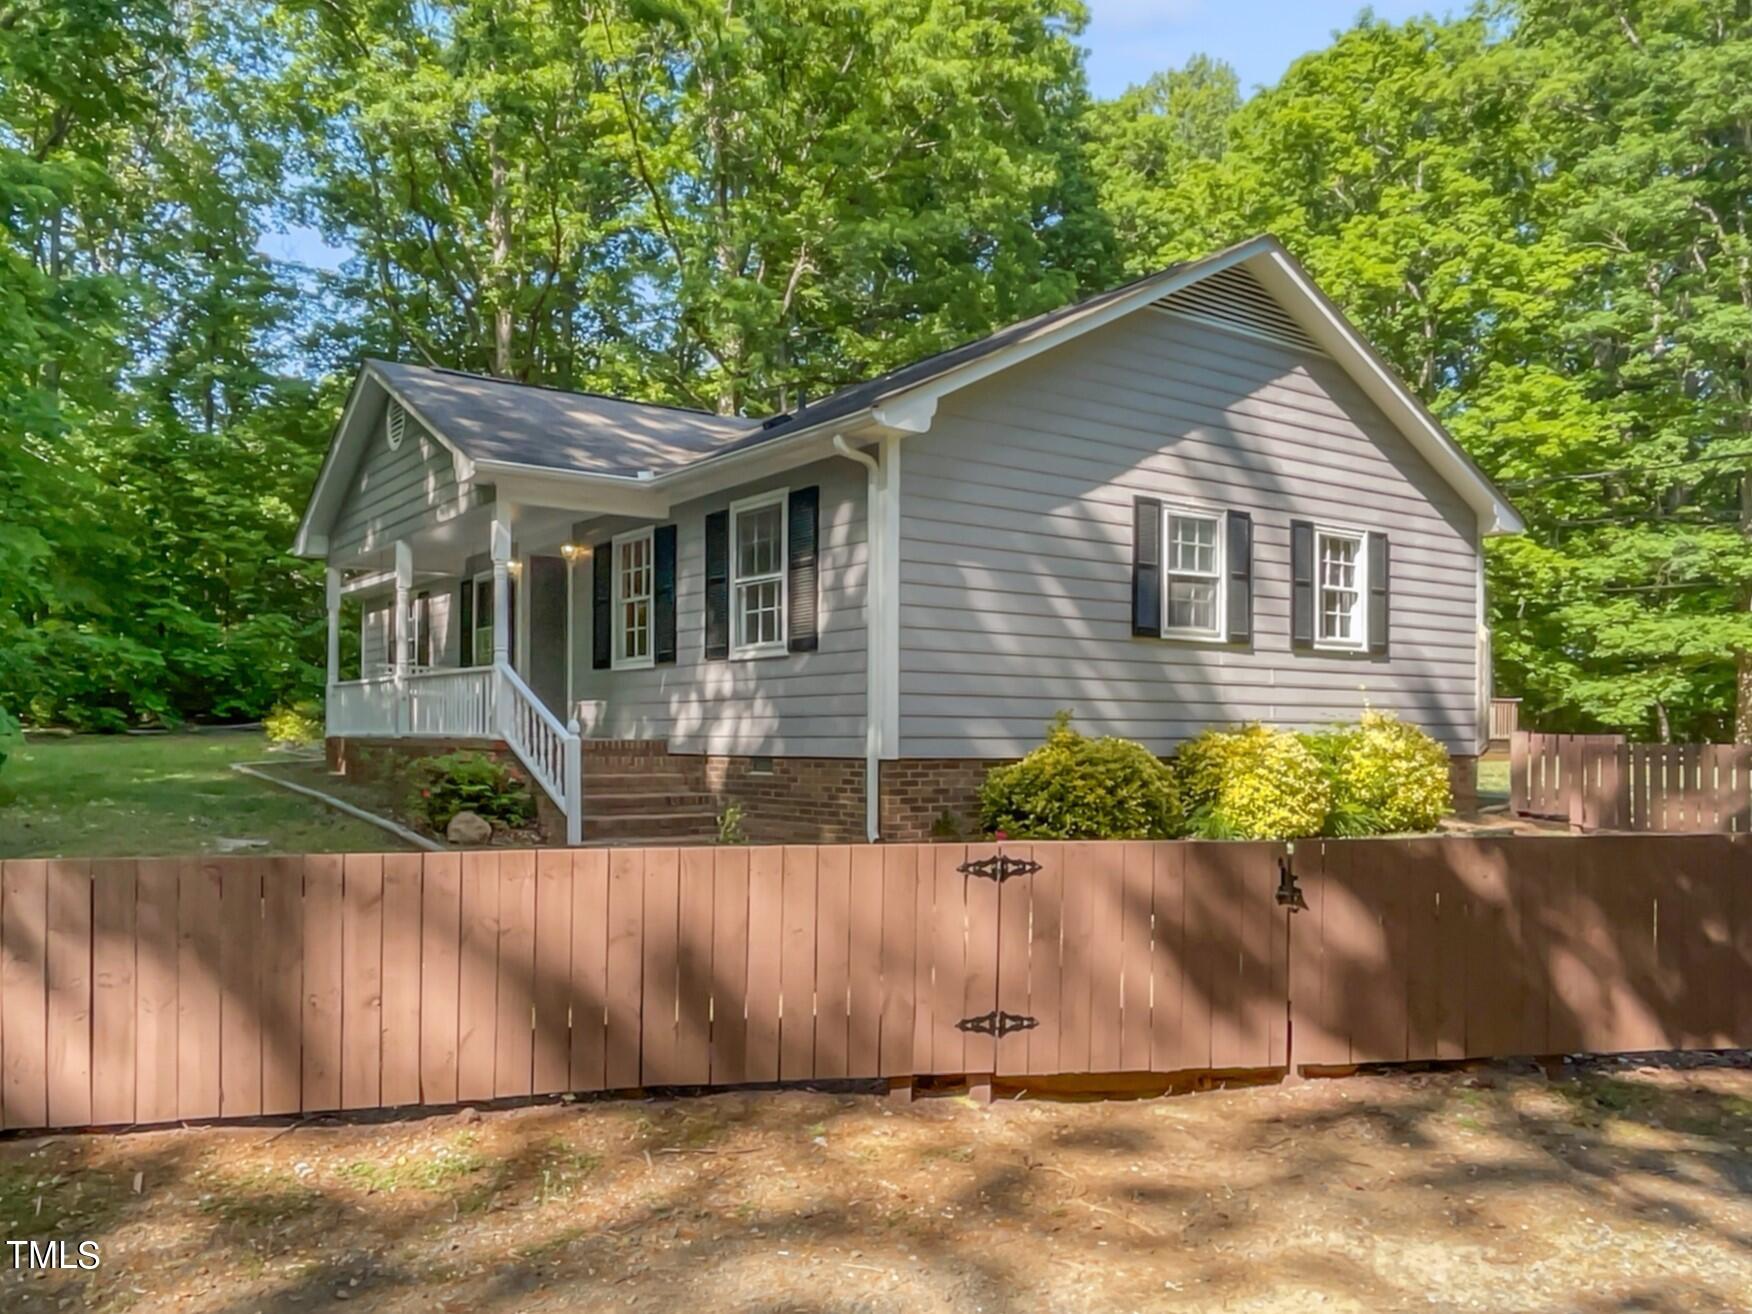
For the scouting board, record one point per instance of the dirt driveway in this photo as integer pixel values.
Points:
(1619, 1188)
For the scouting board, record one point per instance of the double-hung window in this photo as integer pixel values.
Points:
(1341, 578)
(633, 576)
(757, 575)
(1194, 574)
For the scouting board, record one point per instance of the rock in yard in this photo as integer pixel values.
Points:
(468, 828)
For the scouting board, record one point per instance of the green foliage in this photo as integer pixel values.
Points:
(1073, 787)
(730, 829)
(1252, 783)
(1386, 777)
(468, 782)
(1537, 212)
(295, 724)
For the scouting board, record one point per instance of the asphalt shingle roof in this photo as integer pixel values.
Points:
(502, 420)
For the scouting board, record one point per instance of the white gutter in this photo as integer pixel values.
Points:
(875, 518)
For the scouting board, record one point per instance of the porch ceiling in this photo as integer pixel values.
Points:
(443, 547)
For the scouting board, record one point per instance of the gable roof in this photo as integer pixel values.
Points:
(500, 420)
(529, 429)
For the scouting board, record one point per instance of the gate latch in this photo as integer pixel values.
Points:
(999, 868)
(1289, 894)
(997, 1023)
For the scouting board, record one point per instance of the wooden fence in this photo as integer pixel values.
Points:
(153, 991)
(1603, 782)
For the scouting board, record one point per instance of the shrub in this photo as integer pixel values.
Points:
(1073, 787)
(1387, 777)
(295, 724)
(468, 782)
(730, 825)
(1252, 783)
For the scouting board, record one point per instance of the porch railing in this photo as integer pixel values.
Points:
(453, 702)
(472, 702)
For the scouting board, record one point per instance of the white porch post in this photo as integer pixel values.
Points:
(334, 625)
(404, 581)
(501, 584)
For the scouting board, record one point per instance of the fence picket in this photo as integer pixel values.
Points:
(282, 984)
(24, 890)
(114, 936)
(400, 989)
(240, 1004)
(362, 981)
(67, 1053)
(730, 968)
(197, 990)
(587, 983)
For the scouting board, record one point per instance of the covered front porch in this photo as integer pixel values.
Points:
(469, 630)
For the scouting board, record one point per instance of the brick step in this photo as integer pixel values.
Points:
(605, 804)
(671, 825)
(637, 782)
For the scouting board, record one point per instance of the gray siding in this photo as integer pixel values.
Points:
(799, 704)
(393, 493)
(1016, 529)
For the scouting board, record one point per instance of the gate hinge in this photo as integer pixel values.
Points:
(999, 868)
(997, 1023)
(1289, 894)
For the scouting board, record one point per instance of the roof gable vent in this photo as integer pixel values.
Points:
(1234, 299)
(395, 424)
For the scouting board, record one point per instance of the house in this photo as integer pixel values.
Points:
(1197, 499)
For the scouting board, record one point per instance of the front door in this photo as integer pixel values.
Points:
(546, 671)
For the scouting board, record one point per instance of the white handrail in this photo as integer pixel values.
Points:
(551, 752)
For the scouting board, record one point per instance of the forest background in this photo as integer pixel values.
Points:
(1537, 211)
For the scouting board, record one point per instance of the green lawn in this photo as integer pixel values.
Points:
(1493, 780)
(157, 795)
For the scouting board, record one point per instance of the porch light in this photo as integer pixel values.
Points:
(572, 551)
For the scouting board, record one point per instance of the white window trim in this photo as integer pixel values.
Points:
(779, 497)
(1361, 538)
(619, 623)
(1221, 515)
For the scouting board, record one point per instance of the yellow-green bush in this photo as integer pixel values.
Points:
(1387, 776)
(1074, 787)
(1253, 782)
(298, 724)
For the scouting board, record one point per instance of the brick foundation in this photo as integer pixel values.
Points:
(1463, 780)
(917, 792)
(798, 800)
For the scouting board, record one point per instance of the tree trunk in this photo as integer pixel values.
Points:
(499, 221)
(1743, 659)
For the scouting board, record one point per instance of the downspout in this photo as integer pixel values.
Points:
(875, 499)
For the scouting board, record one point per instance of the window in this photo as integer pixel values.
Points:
(480, 643)
(1193, 574)
(1341, 584)
(633, 576)
(757, 576)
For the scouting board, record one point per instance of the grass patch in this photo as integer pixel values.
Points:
(260, 1200)
(1493, 781)
(37, 1203)
(440, 1168)
(93, 796)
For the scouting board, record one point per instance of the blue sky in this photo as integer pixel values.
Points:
(1130, 39)
(1127, 41)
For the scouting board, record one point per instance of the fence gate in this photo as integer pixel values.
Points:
(1105, 958)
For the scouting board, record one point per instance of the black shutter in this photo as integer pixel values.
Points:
(602, 606)
(1239, 604)
(1147, 567)
(663, 593)
(423, 629)
(465, 619)
(1301, 584)
(1379, 592)
(718, 586)
(802, 589)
